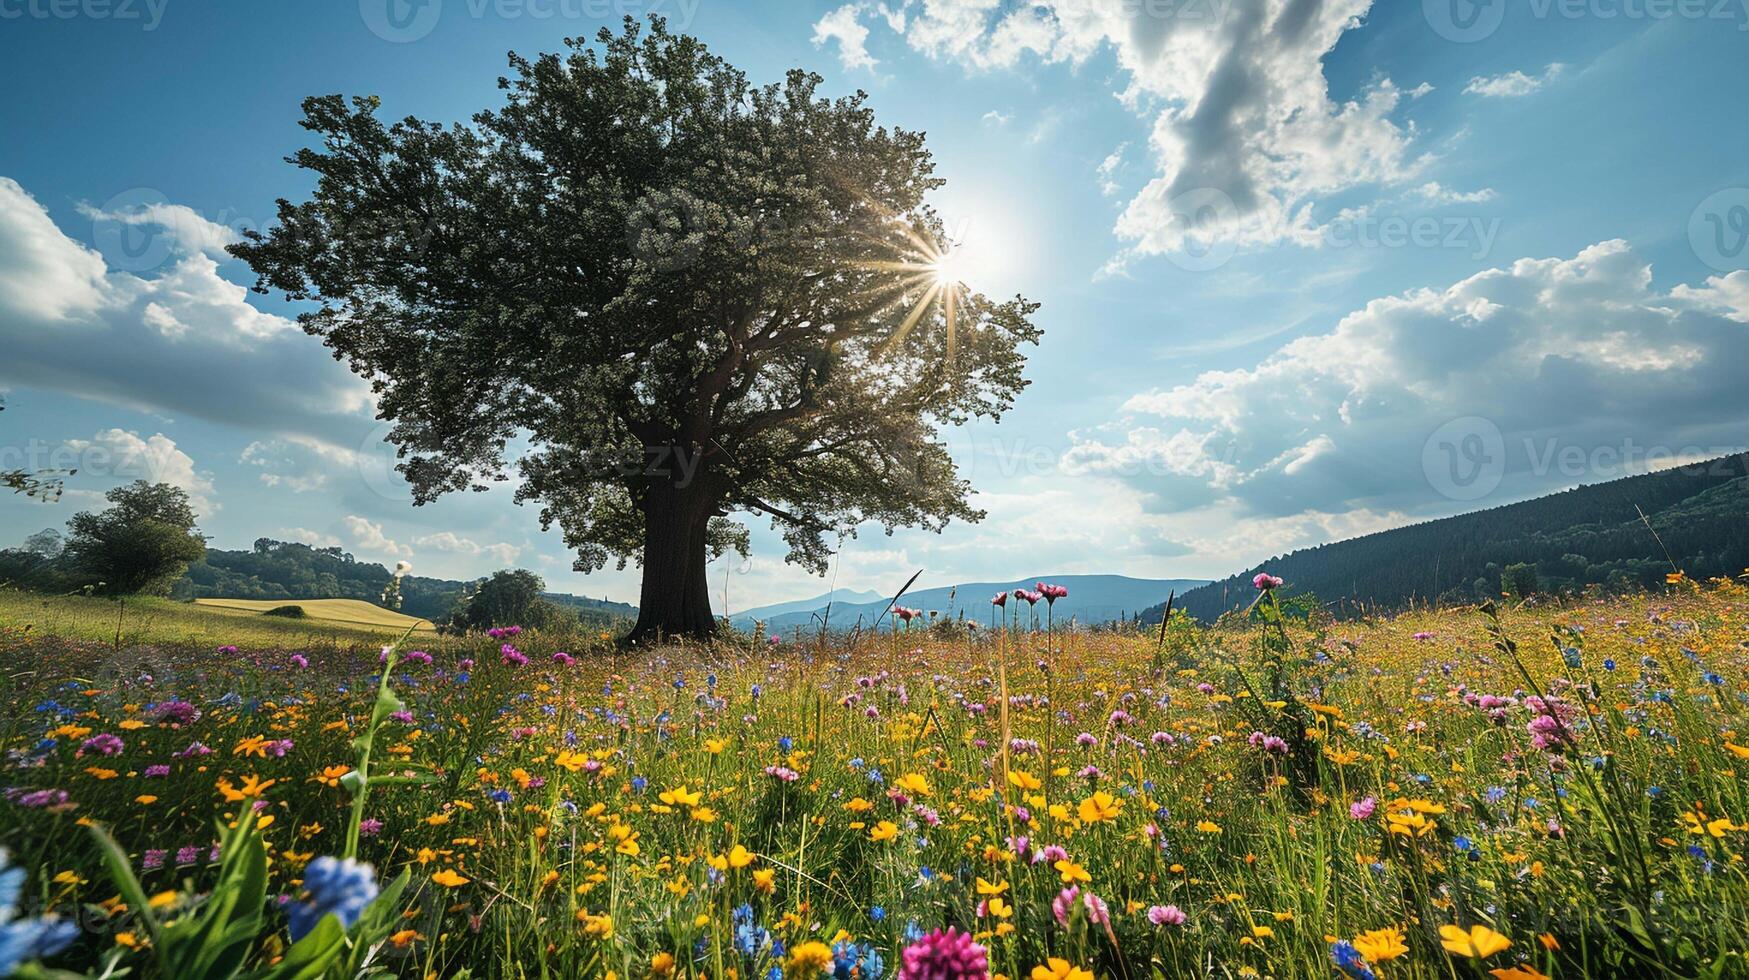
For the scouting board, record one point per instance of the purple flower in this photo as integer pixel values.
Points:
(1166, 915)
(157, 771)
(299, 660)
(175, 713)
(1363, 809)
(104, 744)
(950, 955)
(153, 859)
(1265, 581)
(1063, 906)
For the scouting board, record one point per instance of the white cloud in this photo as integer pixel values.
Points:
(1513, 84)
(843, 26)
(297, 463)
(1433, 193)
(187, 228)
(126, 457)
(1729, 294)
(449, 541)
(178, 339)
(1108, 170)
(43, 274)
(1566, 352)
(996, 117)
(1420, 90)
(1241, 110)
(368, 537)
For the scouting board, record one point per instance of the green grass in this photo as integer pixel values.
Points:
(139, 621)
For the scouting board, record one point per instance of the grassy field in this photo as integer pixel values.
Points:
(139, 621)
(350, 612)
(1552, 791)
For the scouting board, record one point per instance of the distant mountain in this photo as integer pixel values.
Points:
(840, 596)
(1589, 536)
(288, 570)
(1091, 599)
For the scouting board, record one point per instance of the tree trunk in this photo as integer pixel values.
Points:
(675, 600)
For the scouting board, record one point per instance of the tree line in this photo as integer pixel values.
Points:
(1590, 538)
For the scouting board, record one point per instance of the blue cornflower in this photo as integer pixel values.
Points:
(877, 913)
(26, 939)
(1349, 961)
(338, 886)
(499, 795)
(1609, 663)
(639, 784)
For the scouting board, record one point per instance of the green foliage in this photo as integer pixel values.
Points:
(140, 545)
(511, 597)
(1518, 580)
(286, 612)
(696, 296)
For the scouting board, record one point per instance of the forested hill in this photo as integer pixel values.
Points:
(1587, 536)
(288, 570)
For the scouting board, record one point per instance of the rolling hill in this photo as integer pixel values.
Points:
(1587, 537)
(353, 612)
(280, 571)
(1091, 599)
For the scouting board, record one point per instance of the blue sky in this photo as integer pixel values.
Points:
(1309, 268)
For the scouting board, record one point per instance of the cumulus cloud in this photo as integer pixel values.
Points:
(368, 537)
(1562, 355)
(1245, 136)
(449, 541)
(297, 463)
(844, 27)
(1433, 193)
(125, 457)
(1513, 84)
(175, 339)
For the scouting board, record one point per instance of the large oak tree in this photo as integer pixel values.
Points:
(689, 296)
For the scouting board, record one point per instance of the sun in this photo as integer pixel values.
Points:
(950, 268)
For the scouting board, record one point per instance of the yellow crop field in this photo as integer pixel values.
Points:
(355, 612)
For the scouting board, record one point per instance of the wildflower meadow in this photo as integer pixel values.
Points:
(1525, 792)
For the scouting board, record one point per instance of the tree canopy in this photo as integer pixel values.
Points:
(691, 297)
(141, 544)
